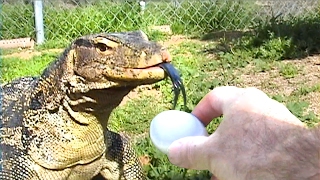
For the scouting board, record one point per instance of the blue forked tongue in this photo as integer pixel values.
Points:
(177, 83)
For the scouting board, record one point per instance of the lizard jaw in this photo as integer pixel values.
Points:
(149, 71)
(132, 75)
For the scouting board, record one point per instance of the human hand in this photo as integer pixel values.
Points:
(257, 139)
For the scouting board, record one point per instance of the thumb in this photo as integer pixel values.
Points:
(190, 152)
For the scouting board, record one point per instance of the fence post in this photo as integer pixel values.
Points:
(176, 4)
(38, 15)
(142, 4)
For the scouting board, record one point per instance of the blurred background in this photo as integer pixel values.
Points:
(68, 19)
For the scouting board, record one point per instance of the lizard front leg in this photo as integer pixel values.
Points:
(121, 160)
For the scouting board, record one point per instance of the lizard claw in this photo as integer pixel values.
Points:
(177, 83)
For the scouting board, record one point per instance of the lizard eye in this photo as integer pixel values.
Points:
(102, 47)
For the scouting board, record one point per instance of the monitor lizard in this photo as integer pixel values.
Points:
(55, 126)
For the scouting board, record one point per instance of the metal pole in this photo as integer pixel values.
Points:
(176, 4)
(38, 15)
(142, 6)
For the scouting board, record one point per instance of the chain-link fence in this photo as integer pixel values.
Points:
(67, 19)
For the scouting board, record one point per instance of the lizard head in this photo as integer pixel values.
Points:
(117, 60)
(97, 71)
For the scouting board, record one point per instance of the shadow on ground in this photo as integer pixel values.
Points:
(298, 37)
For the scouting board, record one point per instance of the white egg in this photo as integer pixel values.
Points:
(172, 125)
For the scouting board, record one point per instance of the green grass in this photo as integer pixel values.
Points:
(304, 90)
(12, 68)
(288, 70)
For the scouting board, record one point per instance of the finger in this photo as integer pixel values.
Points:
(212, 105)
(190, 152)
(226, 99)
(254, 100)
(213, 177)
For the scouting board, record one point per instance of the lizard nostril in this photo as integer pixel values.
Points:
(166, 57)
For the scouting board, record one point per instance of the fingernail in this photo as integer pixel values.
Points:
(174, 153)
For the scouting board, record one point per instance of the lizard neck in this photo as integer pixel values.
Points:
(51, 87)
(96, 103)
(58, 88)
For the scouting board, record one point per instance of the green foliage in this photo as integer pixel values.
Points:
(304, 90)
(199, 17)
(274, 49)
(276, 39)
(262, 66)
(229, 60)
(301, 31)
(155, 35)
(190, 62)
(17, 21)
(288, 70)
(270, 50)
(119, 121)
(81, 20)
(299, 108)
(12, 68)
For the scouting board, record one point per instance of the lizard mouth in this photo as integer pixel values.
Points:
(176, 80)
(152, 74)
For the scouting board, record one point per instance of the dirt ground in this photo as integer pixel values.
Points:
(273, 83)
(269, 81)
